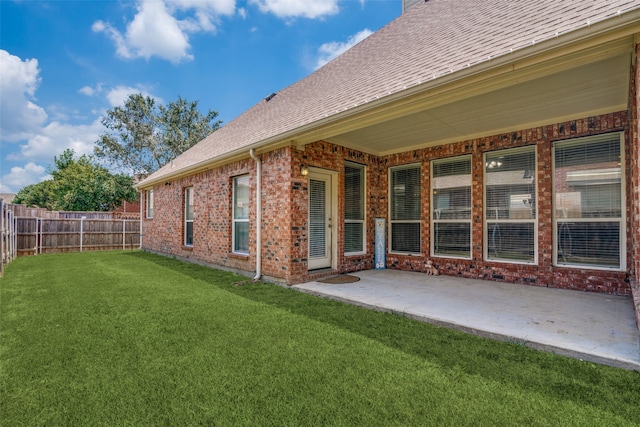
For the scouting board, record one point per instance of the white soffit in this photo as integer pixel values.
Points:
(595, 88)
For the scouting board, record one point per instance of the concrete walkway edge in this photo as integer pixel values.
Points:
(617, 344)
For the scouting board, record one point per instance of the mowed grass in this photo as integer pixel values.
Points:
(131, 338)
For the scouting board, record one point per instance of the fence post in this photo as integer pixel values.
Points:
(124, 240)
(41, 224)
(14, 235)
(35, 243)
(81, 224)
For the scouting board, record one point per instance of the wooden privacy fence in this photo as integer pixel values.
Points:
(48, 235)
(31, 231)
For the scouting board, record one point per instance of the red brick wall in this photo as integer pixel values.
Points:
(212, 191)
(285, 201)
(543, 273)
(128, 207)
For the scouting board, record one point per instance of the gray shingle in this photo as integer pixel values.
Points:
(430, 40)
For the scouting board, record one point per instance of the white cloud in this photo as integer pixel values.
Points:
(155, 31)
(19, 115)
(297, 8)
(90, 91)
(212, 7)
(329, 51)
(87, 90)
(39, 136)
(20, 177)
(119, 94)
(56, 137)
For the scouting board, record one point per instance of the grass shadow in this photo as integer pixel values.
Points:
(607, 388)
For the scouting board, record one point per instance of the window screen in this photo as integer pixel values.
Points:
(451, 207)
(510, 205)
(353, 208)
(188, 216)
(588, 212)
(241, 214)
(405, 209)
(149, 203)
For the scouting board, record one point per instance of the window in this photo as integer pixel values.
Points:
(510, 205)
(354, 208)
(240, 232)
(588, 196)
(451, 207)
(188, 216)
(405, 209)
(149, 203)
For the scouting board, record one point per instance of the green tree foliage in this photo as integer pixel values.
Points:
(40, 194)
(143, 137)
(78, 184)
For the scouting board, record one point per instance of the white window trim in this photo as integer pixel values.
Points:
(149, 204)
(186, 192)
(235, 220)
(623, 216)
(389, 210)
(363, 221)
(451, 221)
(534, 221)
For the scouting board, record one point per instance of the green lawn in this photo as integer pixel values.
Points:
(130, 338)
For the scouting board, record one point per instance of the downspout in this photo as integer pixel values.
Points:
(142, 211)
(258, 215)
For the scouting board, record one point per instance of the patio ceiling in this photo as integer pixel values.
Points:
(514, 100)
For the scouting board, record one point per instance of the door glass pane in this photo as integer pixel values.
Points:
(317, 218)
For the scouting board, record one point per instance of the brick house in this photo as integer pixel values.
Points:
(498, 140)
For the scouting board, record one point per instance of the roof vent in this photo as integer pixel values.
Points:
(270, 97)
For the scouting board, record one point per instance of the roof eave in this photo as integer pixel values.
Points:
(590, 35)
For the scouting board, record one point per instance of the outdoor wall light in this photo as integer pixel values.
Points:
(304, 170)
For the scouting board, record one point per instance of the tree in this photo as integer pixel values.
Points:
(144, 137)
(40, 195)
(78, 184)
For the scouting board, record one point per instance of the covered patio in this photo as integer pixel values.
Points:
(590, 326)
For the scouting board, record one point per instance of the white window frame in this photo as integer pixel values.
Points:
(149, 204)
(363, 204)
(534, 220)
(390, 210)
(433, 214)
(622, 220)
(188, 195)
(235, 220)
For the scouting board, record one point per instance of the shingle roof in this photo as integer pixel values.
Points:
(431, 40)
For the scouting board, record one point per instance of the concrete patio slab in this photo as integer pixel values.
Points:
(595, 327)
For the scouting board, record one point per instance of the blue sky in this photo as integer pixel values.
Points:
(63, 64)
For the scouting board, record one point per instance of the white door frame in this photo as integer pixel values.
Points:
(329, 260)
